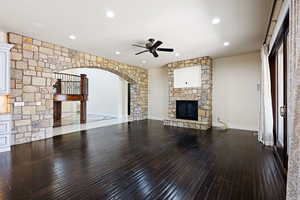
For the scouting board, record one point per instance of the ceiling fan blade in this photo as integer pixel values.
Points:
(165, 49)
(155, 54)
(141, 52)
(156, 44)
(136, 45)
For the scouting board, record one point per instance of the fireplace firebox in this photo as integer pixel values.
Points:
(187, 110)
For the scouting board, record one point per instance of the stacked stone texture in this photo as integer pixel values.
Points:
(33, 63)
(201, 94)
(293, 180)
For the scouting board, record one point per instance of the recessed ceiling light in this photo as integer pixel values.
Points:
(144, 61)
(226, 44)
(118, 52)
(177, 54)
(110, 14)
(72, 37)
(216, 20)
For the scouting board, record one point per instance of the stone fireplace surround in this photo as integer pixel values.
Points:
(201, 94)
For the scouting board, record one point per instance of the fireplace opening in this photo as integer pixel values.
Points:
(187, 110)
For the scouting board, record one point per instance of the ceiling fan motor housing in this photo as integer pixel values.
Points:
(152, 47)
(150, 43)
(151, 40)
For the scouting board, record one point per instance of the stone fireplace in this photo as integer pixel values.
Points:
(191, 107)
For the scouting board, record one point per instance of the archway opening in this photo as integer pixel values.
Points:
(108, 97)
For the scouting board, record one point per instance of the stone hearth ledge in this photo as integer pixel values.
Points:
(187, 124)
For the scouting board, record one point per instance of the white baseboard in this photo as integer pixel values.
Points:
(156, 118)
(234, 126)
(268, 143)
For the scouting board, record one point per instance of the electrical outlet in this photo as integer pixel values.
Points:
(19, 104)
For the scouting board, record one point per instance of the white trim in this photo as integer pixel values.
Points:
(268, 143)
(242, 129)
(235, 126)
(5, 65)
(284, 10)
(4, 149)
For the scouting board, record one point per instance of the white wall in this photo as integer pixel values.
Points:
(235, 91)
(158, 93)
(107, 93)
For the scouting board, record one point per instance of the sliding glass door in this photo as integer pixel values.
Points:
(278, 68)
(281, 103)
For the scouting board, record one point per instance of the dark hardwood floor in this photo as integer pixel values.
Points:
(142, 160)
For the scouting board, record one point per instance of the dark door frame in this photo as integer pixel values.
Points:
(281, 153)
(128, 98)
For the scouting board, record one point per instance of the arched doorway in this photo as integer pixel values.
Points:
(138, 80)
(106, 97)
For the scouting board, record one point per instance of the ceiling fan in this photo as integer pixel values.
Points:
(152, 47)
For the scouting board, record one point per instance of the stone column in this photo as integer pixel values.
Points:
(293, 182)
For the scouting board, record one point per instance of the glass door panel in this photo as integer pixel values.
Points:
(280, 98)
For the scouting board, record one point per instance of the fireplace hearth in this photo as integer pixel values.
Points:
(187, 110)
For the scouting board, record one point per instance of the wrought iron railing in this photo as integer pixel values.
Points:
(70, 84)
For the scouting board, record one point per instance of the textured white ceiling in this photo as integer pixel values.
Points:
(184, 25)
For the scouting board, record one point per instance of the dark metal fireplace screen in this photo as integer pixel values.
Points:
(187, 110)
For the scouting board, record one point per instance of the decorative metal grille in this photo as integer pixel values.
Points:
(70, 84)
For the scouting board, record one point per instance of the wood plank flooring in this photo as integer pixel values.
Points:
(142, 160)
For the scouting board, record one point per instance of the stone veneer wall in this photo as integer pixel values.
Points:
(202, 94)
(293, 180)
(33, 63)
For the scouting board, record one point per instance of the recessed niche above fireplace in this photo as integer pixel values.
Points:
(188, 77)
(187, 110)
